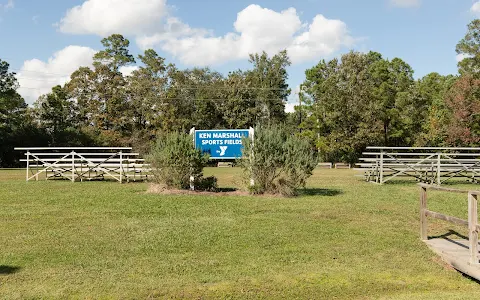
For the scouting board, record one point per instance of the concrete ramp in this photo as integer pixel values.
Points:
(456, 253)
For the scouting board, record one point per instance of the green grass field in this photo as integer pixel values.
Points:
(342, 239)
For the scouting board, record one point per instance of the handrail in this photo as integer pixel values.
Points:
(472, 223)
(439, 188)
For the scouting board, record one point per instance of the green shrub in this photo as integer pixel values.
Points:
(206, 184)
(278, 162)
(174, 159)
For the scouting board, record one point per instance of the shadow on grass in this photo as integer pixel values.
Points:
(319, 192)
(471, 278)
(226, 190)
(6, 270)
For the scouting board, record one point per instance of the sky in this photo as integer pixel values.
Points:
(45, 41)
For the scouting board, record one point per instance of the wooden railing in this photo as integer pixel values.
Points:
(471, 223)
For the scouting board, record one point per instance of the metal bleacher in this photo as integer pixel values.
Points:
(84, 163)
(426, 164)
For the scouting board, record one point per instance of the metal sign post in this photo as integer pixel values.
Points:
(192, 179)
(251, 132)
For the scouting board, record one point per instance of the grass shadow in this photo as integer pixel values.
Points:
(225, 190)
(6, 270)
(470, 278)
(319, 192)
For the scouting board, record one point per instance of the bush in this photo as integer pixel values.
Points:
(279, 163)
(206, 184)
(174, 159)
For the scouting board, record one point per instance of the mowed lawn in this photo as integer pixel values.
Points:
(342, 239)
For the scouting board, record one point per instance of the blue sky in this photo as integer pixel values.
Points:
(44, 41)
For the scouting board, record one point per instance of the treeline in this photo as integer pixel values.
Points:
(346, 104)
(364, 100)
(99, 106)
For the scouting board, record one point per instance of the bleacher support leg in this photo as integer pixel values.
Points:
(28, 164)
(381, 167)
(439, 168)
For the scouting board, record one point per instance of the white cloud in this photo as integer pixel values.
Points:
(35, 19)
(290, 107)
(172, 29)
(8, 5)
(405, 3)
(257, 29)
(461, 57)
(128, 70)
(293, 100)
(323, 38)
(476, 8)
(105, 17)
(37, 77)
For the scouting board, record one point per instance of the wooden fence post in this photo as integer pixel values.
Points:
(423, 215)
(472, 227)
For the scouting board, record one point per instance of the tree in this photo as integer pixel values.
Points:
(56, 114)
(81, 89)
(101, 95)
(469, 49)
(463, 100)
(424, 112)
(391, 79)
(115, 54)
(341, 106)
(239, 110)
(12, 105)
(269, 79)
(16, 128)
(146, 89)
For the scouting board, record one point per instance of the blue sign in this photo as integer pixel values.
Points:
(221, 144)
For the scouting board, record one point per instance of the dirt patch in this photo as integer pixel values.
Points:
(162, 190)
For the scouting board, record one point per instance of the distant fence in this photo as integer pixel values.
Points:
(426, 164)
(84, 163)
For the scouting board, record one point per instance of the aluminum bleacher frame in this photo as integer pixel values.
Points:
(84, 163)
(432, 165)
